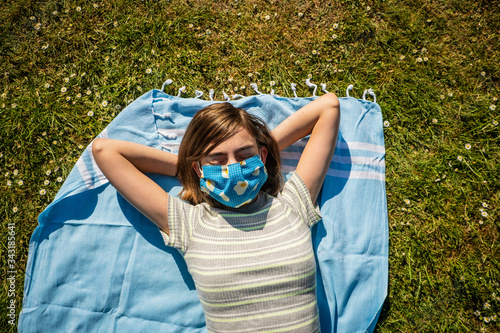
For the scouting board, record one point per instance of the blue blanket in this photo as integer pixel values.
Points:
(96, 264)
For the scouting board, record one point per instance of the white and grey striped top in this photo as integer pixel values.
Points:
(253, 267)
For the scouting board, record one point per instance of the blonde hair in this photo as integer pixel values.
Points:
(211, 126)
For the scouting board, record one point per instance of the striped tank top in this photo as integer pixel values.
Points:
(253, 267)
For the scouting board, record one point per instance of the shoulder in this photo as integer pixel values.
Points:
(296, 195)
(295, 184)
(177, 206)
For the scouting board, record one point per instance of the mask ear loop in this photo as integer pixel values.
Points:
(200, 169)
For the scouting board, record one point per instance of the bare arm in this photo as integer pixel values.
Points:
(321, 119)
(124, 164)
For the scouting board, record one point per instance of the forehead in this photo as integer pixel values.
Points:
(241, 139)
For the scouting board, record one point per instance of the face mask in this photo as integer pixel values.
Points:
(235, 184)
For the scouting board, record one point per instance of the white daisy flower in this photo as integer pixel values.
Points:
(468, 146)
(42, 192)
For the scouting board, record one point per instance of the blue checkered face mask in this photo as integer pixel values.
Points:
(234, 185)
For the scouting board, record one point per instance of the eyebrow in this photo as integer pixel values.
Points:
(237, 151)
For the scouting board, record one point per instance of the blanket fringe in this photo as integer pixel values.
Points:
(312, 85)
(211, 93)
(294, 89)
(181, 90)
(166, 83)
(350, 87)
(254, 87)
(371, 93)
(323, 88)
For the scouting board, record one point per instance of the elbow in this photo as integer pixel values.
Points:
(333, 100)
(98, 146)
(332, 112)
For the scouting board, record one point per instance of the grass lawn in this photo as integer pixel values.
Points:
(68, 67)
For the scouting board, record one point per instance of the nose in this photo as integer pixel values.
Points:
(231, 159)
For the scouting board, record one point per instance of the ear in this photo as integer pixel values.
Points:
(263, 154)
(196, 167)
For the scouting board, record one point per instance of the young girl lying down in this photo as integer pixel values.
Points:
(245, 235)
